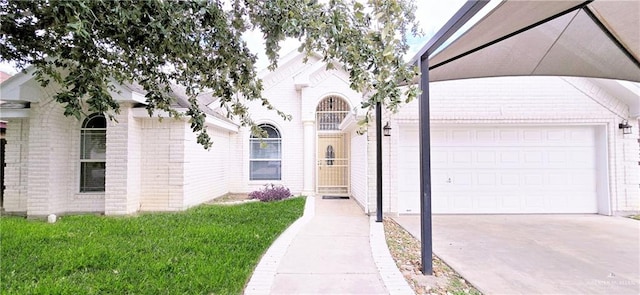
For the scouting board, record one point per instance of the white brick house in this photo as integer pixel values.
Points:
(56, 165)
(500, 145)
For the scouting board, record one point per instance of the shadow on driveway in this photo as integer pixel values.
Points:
(538, 254)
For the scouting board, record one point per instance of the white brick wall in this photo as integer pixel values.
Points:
(280, 90)
(134, 165)
(540, 100)
(122, 191)
(547, 99)
(235, 162)
(16, 171)
(358, 174)
(162, 164)
(151, 165)
(372, 169)
(206, 174)
(53, 163)
(389, 166)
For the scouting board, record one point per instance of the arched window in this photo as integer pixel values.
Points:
(330, 112)
(93, 148)
(330, 155)
(265, 155)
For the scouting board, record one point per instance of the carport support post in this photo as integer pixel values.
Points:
(425, 171)
(378, 162)
(464, 14)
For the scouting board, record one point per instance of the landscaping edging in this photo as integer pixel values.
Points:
(262, 278)
(391, 276)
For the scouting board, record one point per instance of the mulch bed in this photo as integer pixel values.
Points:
(405, 250)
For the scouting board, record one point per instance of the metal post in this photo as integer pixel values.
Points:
(425, 171)
(379, 162)
(464, 14)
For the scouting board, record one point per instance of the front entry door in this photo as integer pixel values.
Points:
(333, 165)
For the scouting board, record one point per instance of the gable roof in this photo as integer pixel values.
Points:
(16, 90)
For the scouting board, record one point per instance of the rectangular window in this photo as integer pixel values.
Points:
(265, 159)
(93, 154)
(92, 176)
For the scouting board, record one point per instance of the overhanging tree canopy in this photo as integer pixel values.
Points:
(83, 45)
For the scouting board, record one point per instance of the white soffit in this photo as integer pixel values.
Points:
(599, 39)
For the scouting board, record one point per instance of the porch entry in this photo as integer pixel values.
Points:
(332, 167)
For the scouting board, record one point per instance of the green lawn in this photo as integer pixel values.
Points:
(208, 249)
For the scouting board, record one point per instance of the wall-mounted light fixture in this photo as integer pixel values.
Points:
(626, 128)
(387, 129)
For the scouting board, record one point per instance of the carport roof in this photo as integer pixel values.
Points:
(598, 39)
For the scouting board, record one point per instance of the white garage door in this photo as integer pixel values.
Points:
(521, 169)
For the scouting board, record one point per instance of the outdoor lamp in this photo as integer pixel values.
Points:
(626, 128)
(387, 129)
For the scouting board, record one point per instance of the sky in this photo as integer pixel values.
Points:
(431, 14)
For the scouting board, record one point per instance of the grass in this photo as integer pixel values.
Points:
(636, 217)
(204, 250)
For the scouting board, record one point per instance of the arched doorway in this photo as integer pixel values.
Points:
(332, 169)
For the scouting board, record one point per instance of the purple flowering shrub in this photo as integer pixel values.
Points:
(271, 192)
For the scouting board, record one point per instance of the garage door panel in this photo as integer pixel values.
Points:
(582, 137)
(509, 157)
(409, 181)
(462, 157)
(510, 203)
(583, 157)
(439, 159)
(532, 136)
(409, 201)
(485, 136)
(439, 202)
(461, 135)
(509, 180)
(533, 202)
(558, 201)
(521, 169)
(486, 179)
(460, 179)
(486, 202)
(436, 135)
(583, 179)
(557, 180)
(461, 202)
(486, 157)
(509, 136)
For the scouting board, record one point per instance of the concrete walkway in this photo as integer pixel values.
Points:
(329, 251)
(539, 254)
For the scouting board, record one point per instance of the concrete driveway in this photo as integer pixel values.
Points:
(539, 254)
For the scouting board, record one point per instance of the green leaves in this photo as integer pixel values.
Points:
(87, 45)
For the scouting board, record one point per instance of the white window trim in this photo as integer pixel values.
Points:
(279, 159)
(79, 178)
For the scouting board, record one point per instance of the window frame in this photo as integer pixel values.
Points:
(266, 140)
(83, 158)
